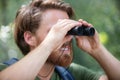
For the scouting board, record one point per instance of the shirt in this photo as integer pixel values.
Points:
(79, 73)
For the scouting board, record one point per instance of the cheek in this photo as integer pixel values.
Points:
(40, 38)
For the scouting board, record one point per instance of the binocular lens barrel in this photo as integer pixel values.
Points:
(82, 31)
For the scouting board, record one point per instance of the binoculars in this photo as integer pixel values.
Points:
(82, 31)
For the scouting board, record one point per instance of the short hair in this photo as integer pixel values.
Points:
(28, 18)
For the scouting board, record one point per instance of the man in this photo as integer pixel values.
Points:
(41, 34)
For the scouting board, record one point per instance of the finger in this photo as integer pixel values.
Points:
(64, 22)
(90, 25)
(67, 24)
(79, 41)
(80, 20)
(71, 25)
(85, 23)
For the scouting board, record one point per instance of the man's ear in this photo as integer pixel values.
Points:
(30, 38)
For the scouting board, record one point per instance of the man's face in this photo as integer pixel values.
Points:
(63, 54)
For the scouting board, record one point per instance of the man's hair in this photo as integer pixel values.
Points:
(28, 18)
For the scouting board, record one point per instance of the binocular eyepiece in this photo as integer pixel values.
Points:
(82, 31)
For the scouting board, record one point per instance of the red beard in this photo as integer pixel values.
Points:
(59, 58)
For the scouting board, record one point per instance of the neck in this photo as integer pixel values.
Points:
(46, 71)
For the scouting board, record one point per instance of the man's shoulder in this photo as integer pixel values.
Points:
(82, 73)
(77, 67)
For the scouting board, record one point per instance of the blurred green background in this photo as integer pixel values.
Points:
(103, 14)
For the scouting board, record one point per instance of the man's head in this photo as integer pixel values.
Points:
(33, 23)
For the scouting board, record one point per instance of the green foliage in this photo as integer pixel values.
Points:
(8, 49)
(103, 14)
(8, 9)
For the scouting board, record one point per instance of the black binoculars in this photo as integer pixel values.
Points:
(82, 31)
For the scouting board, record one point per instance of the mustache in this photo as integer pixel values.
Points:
(64, 44)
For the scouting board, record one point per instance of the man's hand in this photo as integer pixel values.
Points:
(58, 32)
(88, 43)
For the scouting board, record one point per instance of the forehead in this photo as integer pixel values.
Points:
(52, 16)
